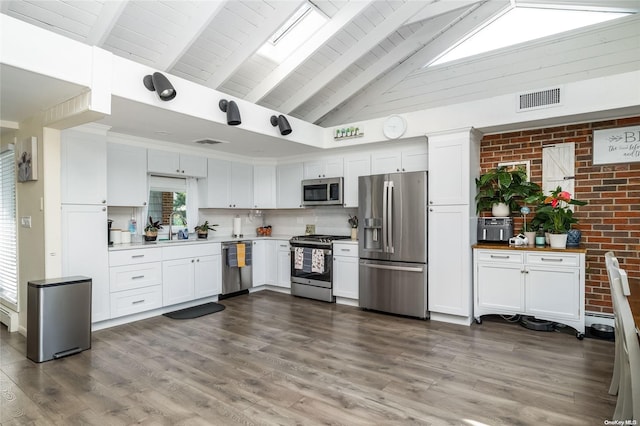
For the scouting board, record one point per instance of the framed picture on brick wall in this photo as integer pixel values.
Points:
(621, 145)
(515, 165)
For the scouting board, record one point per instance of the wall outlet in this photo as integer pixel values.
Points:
(309, 229)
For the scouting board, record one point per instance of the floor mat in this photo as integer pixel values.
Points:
(196, 311)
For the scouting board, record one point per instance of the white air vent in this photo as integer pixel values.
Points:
(208, 142)
(9, 318)
(541, 99)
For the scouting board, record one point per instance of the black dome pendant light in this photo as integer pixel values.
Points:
(161, 85)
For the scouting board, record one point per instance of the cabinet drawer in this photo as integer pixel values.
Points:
(135, 256)
(348, 250)
(553, 259)
(129, 277)
(134, 301)
(503, 256)
(189, 251)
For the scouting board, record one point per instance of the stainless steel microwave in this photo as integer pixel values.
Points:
(322, 192)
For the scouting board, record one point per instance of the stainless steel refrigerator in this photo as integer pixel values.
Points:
(393, 243)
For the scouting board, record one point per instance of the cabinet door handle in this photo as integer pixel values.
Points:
(197, 260)
(137, 302)
(137, 256)
(192, 260)
(495, 256)
(137, 277)
(345, 249)
(547, 259)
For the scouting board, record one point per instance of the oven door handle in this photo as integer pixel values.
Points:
(327, 252)
(395, 268)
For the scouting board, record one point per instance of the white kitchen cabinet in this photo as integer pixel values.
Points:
(454, 162)
(501, 286)
(258, 262)
(453, 165)
(215, 190)
(547, 284)
(270, 263)
(126, 175)
(284, 264)
(176, 164)
(264, 187)
(322, 168)
(135, 281)
(354, 167)
(241, 185)
(190, 272)
(409, 159)
(87, 254)
(178, 281)
(228, 185)
(83, 167)
(208, 276)
(450, 275)
(345, 270)
(289, 191)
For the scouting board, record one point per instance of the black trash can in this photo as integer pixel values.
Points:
(58, 317)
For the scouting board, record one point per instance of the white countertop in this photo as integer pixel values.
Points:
(195, 240)
(211, 239)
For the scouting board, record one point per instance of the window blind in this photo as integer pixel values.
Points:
(8, 237)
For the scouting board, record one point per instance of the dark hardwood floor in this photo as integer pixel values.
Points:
(270, 359)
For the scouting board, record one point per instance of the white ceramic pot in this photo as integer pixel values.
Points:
(558, 241)
(500, 210)
(531, 236)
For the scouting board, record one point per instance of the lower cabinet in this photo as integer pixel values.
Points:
(135, 281)
(345, 270)
(283, 264)
(87, 256)
(149, 278)
(547, 284)
(271, 264)
(190, 272)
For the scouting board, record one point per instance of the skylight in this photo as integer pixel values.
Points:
(298, 29)
(522, 24)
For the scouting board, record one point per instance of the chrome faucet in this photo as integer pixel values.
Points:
(183, 222)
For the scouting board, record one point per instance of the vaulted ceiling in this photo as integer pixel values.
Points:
(365, 62)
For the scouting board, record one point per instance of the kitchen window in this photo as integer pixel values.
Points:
(173, 201)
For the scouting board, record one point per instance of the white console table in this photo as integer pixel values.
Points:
(545, 283)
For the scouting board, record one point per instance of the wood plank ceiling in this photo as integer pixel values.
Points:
(365, 62)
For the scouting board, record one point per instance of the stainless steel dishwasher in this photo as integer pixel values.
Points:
(236, 279)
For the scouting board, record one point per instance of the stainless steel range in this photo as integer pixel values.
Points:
(311, 266)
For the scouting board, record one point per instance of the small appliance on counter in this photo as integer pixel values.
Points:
(495, 229)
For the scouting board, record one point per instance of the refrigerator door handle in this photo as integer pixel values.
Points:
(394, 268)
(390, 216)
(385, 224)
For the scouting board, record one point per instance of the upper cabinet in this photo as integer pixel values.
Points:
(450, 179)
(354, 166)
(228, 185)
(83, 168)
(126, 175)
(175, 164)
(328, 167)
(264, 187)
(289, 191)
(410, 159)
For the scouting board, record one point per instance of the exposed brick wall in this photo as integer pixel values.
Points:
(611, 220)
